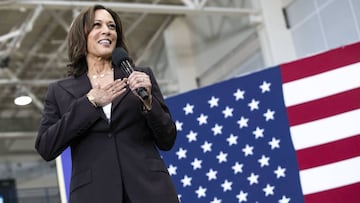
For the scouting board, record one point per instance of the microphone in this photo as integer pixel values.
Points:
(121, 59)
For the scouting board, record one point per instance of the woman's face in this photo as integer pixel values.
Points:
(101, 40)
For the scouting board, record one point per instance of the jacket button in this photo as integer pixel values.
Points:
(110, 135)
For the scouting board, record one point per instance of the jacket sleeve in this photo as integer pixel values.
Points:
(159, 118)
(58, 129)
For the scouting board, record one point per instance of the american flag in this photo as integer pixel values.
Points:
(285, 134)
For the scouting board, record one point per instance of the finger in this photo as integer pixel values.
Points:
(118, 93)
(142, 79)
(118, 85)
(146, 79)
(137, 75)
(111, 86)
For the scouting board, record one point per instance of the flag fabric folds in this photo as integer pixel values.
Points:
(288, 133)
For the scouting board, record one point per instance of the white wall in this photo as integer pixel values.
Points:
(320, 25)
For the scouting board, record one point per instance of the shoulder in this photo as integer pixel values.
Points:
(75, 86)
(143, 69)
(61, 82)
(68, 84)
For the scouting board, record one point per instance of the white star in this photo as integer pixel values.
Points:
(274, 143)
(253, 179)
(186, 181)
(211, 174)
(269, 115)
(172, 169)
(239, 94)
(226, 186)
(188, 109)
(248, 150)
(243, 122)
(213, 102)
(232, 140)
(284, 199)
(179, 197)
(191, 136)
(216, 200)
(222, 157)
(202, 119)
(196, 164)
(254, 104)
(206, 146)
(269, 190)
(265, 87)
(242, 196)
(181, 153)
(228, 112)
(264, 161)
(217, 129)
(258, 132)
(201, 192)
(280, 172)
(178, 125)
(237, 168)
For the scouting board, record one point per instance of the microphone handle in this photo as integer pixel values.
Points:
(128, 70)
(142, 92)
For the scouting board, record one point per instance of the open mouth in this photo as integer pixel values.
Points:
(105, 42)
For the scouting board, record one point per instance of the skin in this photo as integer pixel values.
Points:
(101, 42)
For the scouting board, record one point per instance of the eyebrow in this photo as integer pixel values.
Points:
(111, 21)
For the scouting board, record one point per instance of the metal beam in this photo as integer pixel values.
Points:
(134, 7)
(36, 82)
(43, 38)
(10, 35)
(17, 135)
(189, 3)
(140, 19)
(24, 29)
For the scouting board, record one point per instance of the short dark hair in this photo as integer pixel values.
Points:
(77, 38)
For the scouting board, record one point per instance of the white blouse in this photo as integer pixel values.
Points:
(107, 110)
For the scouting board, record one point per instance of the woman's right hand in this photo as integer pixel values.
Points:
(105, 95)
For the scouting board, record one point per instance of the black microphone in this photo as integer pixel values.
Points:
(121, 59)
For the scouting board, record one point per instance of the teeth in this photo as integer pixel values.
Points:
(105, 41)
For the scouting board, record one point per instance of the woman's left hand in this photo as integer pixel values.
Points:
(139, 79)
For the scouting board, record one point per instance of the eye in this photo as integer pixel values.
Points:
(112, 26)
(96, 24)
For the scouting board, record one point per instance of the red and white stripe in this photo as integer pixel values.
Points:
(322, 96)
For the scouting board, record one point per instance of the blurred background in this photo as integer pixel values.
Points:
(187, 43)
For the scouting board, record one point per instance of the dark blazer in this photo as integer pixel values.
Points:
(110, 159)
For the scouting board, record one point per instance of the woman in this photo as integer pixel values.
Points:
(112, 132)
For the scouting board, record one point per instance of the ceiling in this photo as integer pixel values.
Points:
(33, 54)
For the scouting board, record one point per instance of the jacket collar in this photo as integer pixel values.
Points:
(78, 87)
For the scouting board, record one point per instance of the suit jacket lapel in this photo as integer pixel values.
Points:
(118, 74)
(78, 87)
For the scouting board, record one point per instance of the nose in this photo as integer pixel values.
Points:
(105, 30)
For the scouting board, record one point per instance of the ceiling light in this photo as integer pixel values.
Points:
(21, 98)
